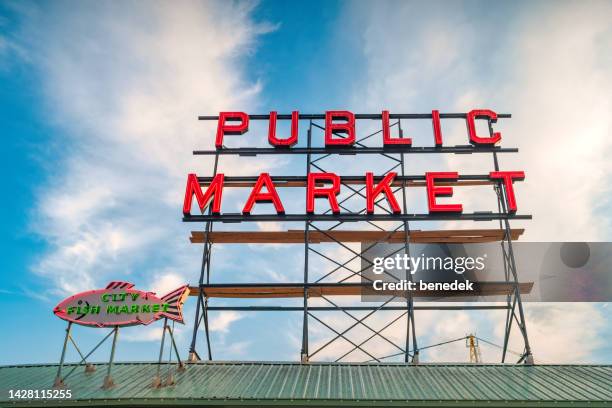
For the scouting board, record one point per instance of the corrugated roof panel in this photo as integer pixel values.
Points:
(233, 382)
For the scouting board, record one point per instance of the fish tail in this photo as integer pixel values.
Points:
(175, 300)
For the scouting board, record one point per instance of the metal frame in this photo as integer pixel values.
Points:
(60, 381)
(157, 380)
(409, 350)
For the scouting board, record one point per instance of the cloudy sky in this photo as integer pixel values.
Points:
(98, 119)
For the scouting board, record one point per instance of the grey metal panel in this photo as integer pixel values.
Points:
(343, 383)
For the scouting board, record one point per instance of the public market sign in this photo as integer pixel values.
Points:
(120, 305)
(340, 134)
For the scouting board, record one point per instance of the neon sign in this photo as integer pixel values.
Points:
(120, 305)
(340, 133)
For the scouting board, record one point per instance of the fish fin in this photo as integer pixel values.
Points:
(175, 300)
(119, 285)
(145, 322)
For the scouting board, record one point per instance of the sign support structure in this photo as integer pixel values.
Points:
(60, 381)
(117, 305)
(328, 227)
(108, 380)
(157, 380)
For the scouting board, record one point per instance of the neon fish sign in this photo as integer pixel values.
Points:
(120, 305)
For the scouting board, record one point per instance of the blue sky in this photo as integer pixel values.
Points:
(99, 102)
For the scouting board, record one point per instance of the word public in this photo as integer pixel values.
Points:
(340, 129)
(327, 185)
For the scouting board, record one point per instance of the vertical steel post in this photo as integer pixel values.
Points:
(108, 380)
(58, 383)
(527, 355)
(193, 355)
(203, 303)
(157, 379)
(409, 300)
(304, 352)
(178, 357)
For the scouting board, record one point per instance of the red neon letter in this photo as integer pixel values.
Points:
(273, 140)
(481, 113)
(386, 130)
(434, 191)
(270, 197)
(214, 189)
(383, 186)
(330, 192)
(437, 128)
(225, 129)
(331, 128)
(508, 177)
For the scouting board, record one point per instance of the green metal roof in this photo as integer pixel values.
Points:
(261, 384)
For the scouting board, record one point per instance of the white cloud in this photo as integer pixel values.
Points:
(143, 334)
(124, 82)
(561, 333)
(166, 281)
(222, 321)
(548, 65)
(545, 64)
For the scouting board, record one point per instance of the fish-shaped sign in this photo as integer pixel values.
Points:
(120, 305)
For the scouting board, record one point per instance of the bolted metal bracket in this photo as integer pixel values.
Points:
(108, 383)
(157, 382)
(193, 357)
(170, 379)
(59, 383)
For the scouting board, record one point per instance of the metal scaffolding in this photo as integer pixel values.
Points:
(328, 228)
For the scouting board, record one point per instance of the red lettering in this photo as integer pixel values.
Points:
(273, 140)
(437, 128)
(383, 187)
(386, 130)
(330, 192)
(434, 191)
(215, 189)
(471, 124)
(257, 196)
(508, 177)
(223, 128)
(348, 127)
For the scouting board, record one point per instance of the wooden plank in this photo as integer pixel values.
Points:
(297, 290)
(316, 237)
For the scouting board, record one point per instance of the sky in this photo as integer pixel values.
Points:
(99, 120)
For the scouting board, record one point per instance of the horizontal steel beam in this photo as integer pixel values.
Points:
(374, 116)
(348, 308)
(377, 178)
(254, 151)
(399, 181)
(346, 217)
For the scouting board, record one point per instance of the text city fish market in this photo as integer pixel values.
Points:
(327, 185)
(110, 301)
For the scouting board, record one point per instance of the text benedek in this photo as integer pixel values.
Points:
(404, 285)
